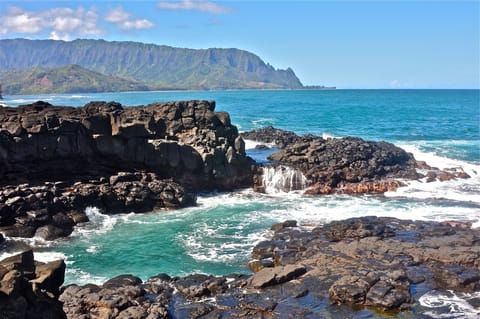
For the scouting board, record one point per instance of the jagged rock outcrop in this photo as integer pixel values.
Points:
(56, 161)
(386, 264)
(345, 165)
(30, 289)
(187, 141)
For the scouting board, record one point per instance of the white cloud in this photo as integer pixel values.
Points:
(61, 23)
(124, 20)
(137, 24)
(117, 15)
(200, 5)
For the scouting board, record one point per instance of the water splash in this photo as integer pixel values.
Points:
(448, 304)
(283, 179)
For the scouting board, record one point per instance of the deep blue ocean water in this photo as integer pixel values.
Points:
(441, 127)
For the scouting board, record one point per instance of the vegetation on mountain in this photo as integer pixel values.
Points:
(155, 66)
(67, 79)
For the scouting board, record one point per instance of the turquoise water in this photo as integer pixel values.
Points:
(216, 237)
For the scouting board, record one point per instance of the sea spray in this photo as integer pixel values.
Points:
(278, 179)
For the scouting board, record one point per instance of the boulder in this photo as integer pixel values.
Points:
(29, 290)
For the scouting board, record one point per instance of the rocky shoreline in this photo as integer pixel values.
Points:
(344, 269)
(56, 161)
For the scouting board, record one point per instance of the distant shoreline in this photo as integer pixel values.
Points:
(5, 97)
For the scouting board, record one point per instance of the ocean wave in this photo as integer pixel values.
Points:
(82, 277)
(327, 135)
(250, 144)
(463, 190)
(49, 256)
(79, 96)
(261, 122)
(99, 223)
(450, 305)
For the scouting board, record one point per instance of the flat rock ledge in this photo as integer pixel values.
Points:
(56, 160)
(345, 165)
(344, 269)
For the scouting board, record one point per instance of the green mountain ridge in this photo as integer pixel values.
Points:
(153, 65)
(66, 79)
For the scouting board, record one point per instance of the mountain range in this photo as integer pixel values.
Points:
(50, 66)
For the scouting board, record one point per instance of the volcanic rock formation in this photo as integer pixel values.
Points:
(55, 161)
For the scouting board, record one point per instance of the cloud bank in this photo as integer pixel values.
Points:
(60, 22)
(64, 23)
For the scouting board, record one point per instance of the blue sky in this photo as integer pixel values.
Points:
(348, 44)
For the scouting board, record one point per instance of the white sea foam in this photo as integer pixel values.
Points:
(92, 249)
(49, 256)
(465, 190)
(80, 96)
(456, 303)
(263, 122)
(327, 135)
(82, 277)
(283, 179)
(250, 144)
(99, 223)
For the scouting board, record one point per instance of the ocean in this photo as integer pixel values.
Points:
(441, 127)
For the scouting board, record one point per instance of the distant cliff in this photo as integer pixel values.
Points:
(153, 65)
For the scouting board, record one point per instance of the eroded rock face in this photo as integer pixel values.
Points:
(30, 290)
(186, 140)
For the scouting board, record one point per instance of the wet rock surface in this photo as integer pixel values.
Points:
(346, 165)
(29, 289)
(55, 161)
(344, 269)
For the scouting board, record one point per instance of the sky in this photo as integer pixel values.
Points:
(347, 44)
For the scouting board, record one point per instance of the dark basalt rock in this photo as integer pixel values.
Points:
(53, 209)
(55, 161)
(185, 140)
(379, 263)
(271, 135)
(345, 165)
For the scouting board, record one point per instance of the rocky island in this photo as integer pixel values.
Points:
(348, 165)
(56, 161)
